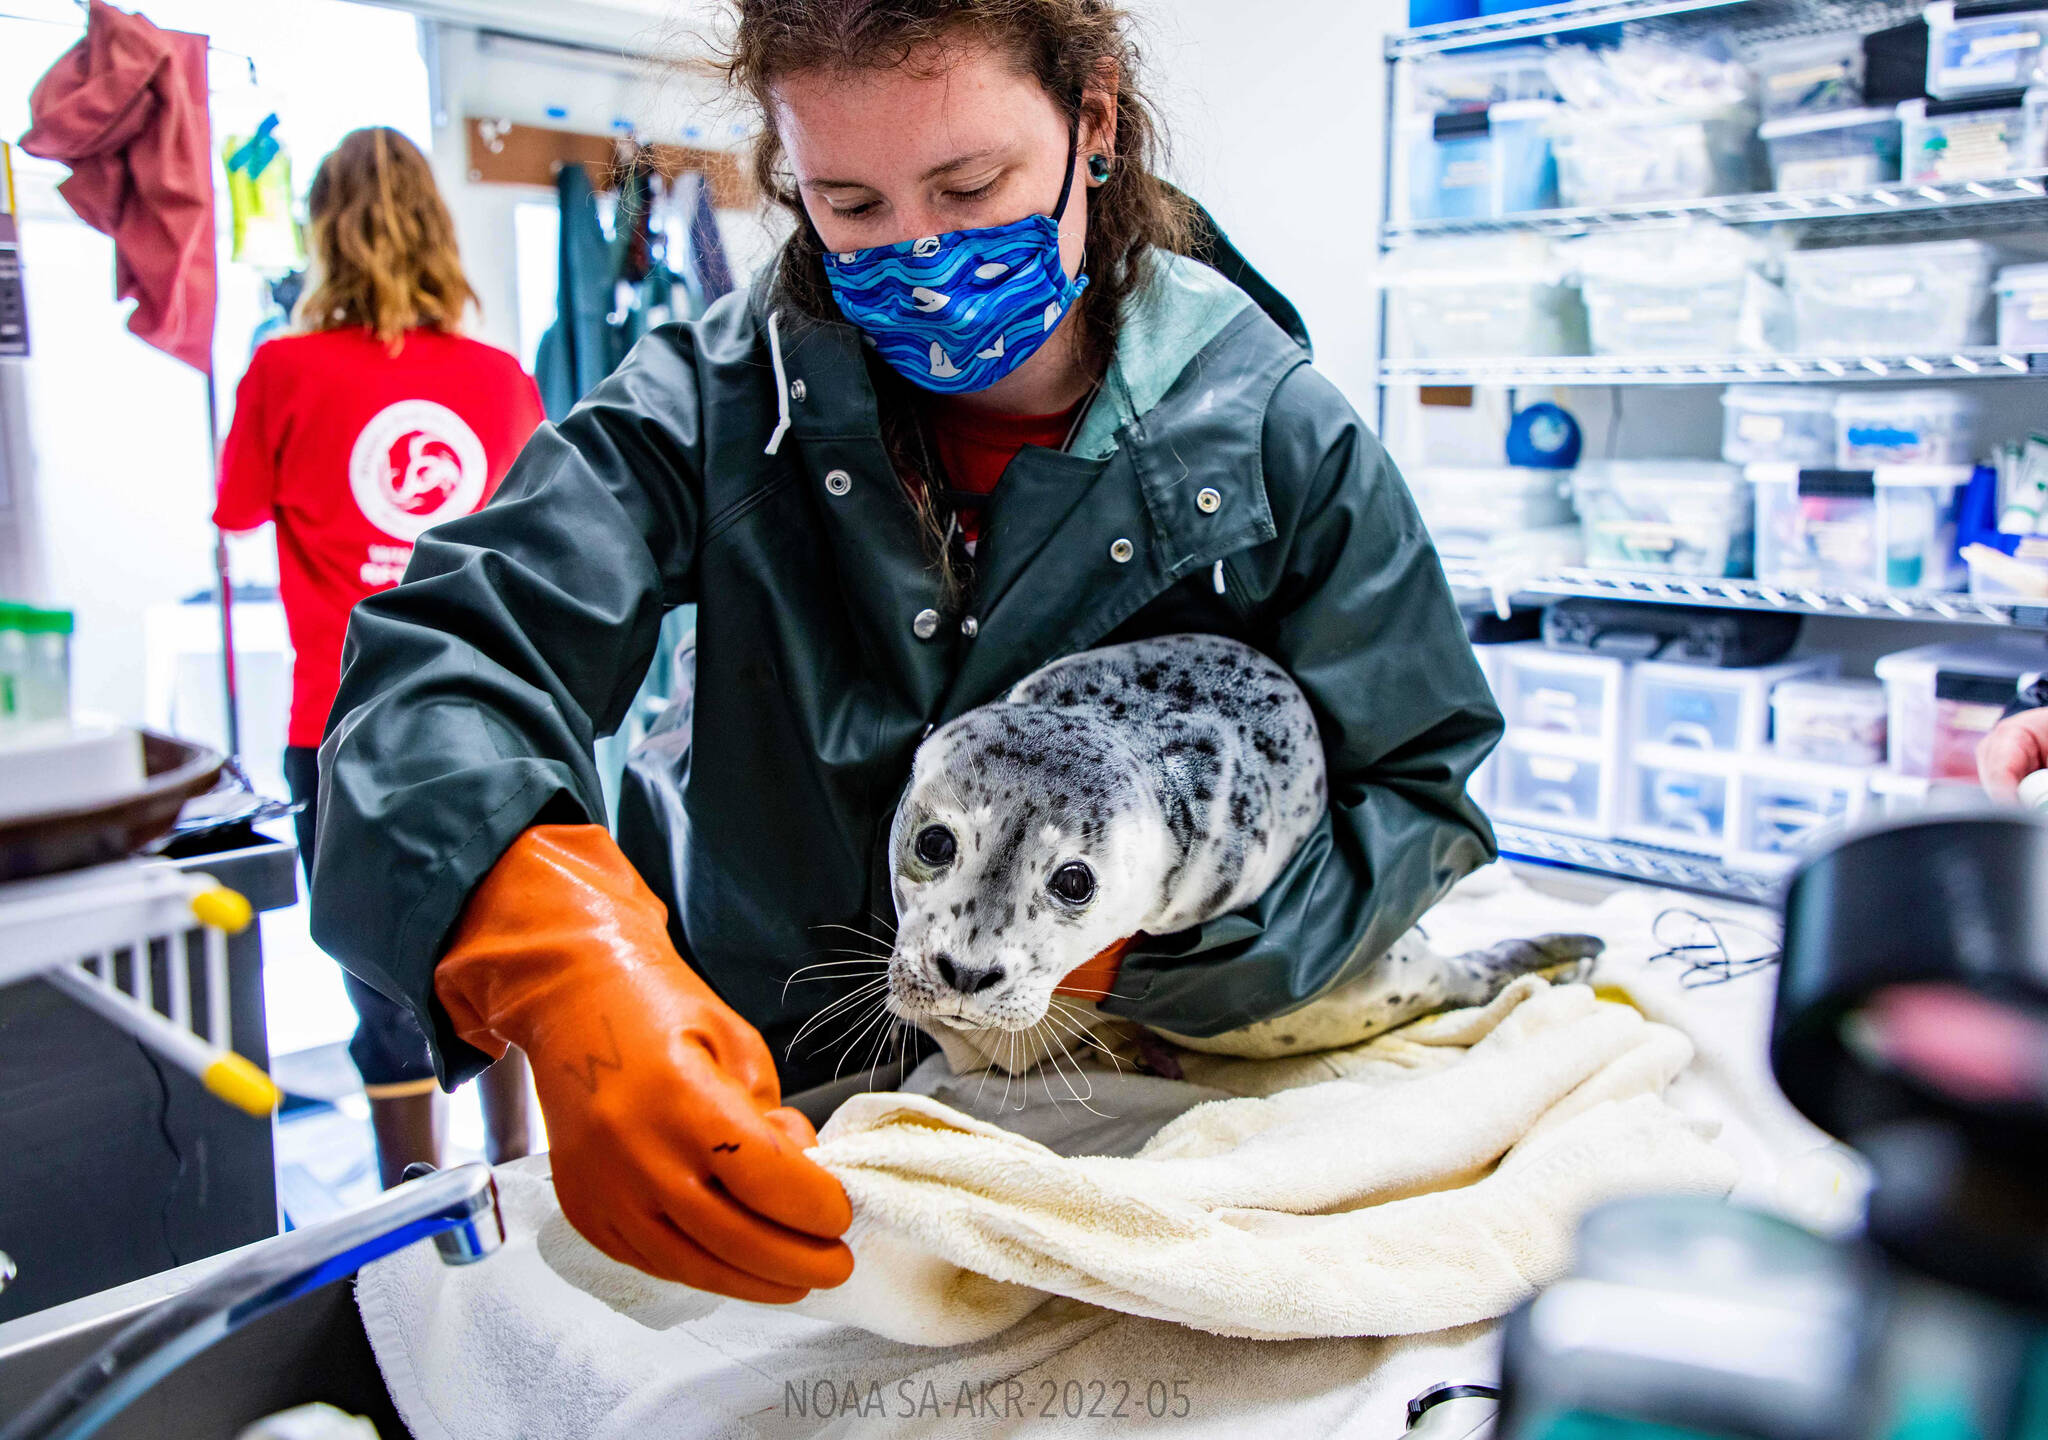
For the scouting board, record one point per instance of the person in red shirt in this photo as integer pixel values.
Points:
(374, 421)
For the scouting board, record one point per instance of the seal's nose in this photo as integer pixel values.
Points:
(966, 979)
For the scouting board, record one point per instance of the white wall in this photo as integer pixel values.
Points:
(122, 478)
(1276, 112)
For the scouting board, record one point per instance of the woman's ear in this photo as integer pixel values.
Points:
(1098, 111)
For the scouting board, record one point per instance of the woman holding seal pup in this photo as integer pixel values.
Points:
(1004, 397)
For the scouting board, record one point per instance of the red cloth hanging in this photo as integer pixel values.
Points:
(125, 108)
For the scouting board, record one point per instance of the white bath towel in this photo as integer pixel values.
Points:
(1395, 1201)
(508, 1348)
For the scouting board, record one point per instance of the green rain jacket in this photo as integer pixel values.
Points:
(736, 462)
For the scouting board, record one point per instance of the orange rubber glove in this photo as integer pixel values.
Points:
(670, 1152)
(1093, 979)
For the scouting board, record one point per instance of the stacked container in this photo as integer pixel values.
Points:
(1692, 730)
(1682, 517)
(1867, 530)
(1559, 763)
(1944, 699)
(1833, 149)
(1688, 291)
(1978, 138)
(1778, 425)
(1484, 296)
(1874, 299)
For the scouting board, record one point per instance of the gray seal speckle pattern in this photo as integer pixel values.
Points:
(1179, 775)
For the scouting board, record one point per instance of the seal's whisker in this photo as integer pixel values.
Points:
(1072, 1022)
(852, 1036)
(881, 1044)
(840, 970)
(1068, 1081)
(1078, 1074)
(866, 993)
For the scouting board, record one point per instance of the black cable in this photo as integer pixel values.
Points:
(1709, 961)
(163, 1128)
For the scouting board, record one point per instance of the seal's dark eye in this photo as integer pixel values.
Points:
(936, 846)
(1073, 882)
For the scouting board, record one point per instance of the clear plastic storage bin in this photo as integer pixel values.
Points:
(1944, 140)
(1624, 156)
(2022, 292)
(1810, 75)
(1833, 150)
(1874, 299)
(1891, 529)
(1778, 425)
(1559, 784)
(1473, 81)
(1944, 699)
(1700, 707)
(1668, 292)
(1483, 296)
(1974, 49)
(1904, 427)
(1483, 164)
(1544, 690)
(1680, 799)
(1788, 810)
(1832, 722)
(1489, 501)
(1684, 517)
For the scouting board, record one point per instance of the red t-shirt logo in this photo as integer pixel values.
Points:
(414, 465)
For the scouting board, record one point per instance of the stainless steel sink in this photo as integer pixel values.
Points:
(310, 1349)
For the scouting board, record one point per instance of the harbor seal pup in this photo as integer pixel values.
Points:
(1146, 787)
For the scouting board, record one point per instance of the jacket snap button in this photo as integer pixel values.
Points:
(970, 627)
(925, 625)
(1121, 550)
(797, 391)
(1208, 501)
(838, 481)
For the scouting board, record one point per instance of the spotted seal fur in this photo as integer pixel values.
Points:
(1150, 787)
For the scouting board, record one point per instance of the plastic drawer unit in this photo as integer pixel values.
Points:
(1874, 299)
(1866, 530)
(1545, 691)
(1680, 798)
(1832, 722)
(1833, 150)
(1788, 809)
(1558, 782)
(1700, 707)
(1944, 699)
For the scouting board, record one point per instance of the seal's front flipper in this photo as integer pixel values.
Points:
(1561, 959)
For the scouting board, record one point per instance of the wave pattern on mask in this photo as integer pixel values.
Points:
(956, 313)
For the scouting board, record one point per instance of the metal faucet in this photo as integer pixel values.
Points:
(458, 1208)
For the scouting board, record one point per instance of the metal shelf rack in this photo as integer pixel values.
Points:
(1987, 363)
(1893, 210)
(1927, 606)
(1889, 212)
(1639, 862)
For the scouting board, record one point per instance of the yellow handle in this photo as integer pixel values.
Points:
(223, 909)
(239, 1082)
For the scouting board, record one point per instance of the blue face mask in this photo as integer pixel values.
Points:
(957, 312)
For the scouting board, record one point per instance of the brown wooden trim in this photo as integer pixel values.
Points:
(506, 154)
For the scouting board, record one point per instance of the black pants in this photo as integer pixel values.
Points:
(388, 1047)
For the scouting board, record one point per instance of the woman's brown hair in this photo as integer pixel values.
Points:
(1070, 46)
(382, 242)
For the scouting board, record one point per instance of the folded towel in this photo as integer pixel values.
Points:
(1404, 1197)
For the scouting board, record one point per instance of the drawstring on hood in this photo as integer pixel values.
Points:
(781, 384)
